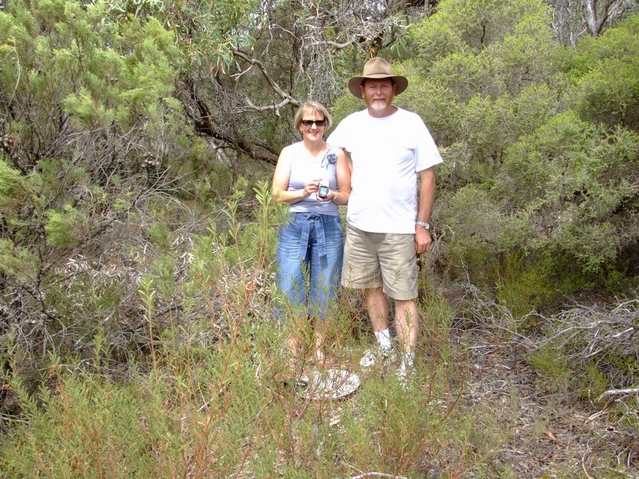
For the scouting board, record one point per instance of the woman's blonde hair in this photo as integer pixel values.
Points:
(312, 107)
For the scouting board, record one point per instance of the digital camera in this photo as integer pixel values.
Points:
(323, 189)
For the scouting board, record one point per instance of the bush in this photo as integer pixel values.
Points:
(576, 183)
(604, 71)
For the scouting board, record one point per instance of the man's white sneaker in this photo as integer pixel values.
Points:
(406, 374)
(372, 356)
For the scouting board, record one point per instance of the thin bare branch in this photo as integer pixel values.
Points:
(273, 84)
(619, 392)
(276, 108)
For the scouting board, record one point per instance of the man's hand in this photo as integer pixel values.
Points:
(423, 240)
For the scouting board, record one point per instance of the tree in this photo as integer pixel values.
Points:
(574, 18)
(270, 57)
(90, 129)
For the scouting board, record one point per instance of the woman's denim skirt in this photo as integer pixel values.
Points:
(309, 258)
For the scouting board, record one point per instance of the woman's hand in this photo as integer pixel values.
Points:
(329, 197)
(310, 188)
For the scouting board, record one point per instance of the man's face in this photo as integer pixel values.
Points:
(378, 94)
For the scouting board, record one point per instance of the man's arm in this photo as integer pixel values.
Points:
(423, 239)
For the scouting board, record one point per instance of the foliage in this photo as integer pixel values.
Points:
(522, 286)
(92, 141)
(604, 73)
(137, 233)
(468, 27)
(589, 350)
(209, 398)
(578, 184)
(527, 142)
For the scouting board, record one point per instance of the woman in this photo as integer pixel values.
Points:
(312, 242)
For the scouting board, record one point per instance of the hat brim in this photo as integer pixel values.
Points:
(401, 83)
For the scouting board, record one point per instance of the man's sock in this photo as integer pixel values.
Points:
(384, 339)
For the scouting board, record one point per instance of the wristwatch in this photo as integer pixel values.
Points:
(426, 226)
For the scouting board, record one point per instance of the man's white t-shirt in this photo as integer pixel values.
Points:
(387, 154)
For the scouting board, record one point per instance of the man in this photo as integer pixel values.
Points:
(388, 212)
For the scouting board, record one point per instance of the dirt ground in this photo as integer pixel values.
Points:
(550, 435)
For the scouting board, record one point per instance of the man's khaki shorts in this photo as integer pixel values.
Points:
(386, 260)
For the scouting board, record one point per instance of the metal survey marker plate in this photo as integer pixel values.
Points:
(329, 384)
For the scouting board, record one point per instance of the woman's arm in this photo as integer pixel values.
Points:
(281, 179)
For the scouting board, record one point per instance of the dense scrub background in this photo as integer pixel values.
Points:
(137, 140)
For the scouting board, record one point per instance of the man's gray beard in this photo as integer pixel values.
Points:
(375, 106)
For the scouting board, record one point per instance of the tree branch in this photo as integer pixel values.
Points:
(272, 83)
(275, 108)
(618, 392)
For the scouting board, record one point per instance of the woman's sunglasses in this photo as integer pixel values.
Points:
(317, 122)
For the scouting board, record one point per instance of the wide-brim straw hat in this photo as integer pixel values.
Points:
(375, 69)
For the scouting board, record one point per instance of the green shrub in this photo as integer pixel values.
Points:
(522, 287)
(604, 71)
(552, 366)
(574, 183)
